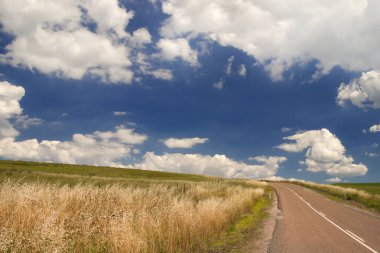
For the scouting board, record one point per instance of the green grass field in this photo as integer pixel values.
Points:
(373, 188)
(72, 174)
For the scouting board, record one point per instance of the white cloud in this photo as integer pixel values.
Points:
(242, 70)
(362, 92)
(24, 121)
(285, 129)
(112, 74)
(171, 49)
(324, 152)
(217, 165)
(109, 15)
(334, 180)
(141, 37)
(122, 135)
(374, 128)
(100, 148)
(10, 95)
(163, 74)
(219, 85)
(6, 129)
(229, 65)
(119, 113)
(375, 145)
(281, 33)
(54, 37)
(184, 142)
(146, 68)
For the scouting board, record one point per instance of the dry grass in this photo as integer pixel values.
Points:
(38, 217)
(367, 199)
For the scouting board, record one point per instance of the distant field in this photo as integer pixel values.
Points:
(72, 174)
(373, 188)
(47, 207)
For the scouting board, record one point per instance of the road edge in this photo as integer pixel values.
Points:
(269, 225)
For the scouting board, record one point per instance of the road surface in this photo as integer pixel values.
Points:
(309, 222)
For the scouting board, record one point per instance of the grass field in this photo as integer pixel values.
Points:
(373, 188)
(65, 208)
(35, 169)
(358, 194)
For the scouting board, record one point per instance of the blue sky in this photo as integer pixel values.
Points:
(195, 87)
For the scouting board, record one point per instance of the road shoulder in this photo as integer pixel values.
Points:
(261, 243)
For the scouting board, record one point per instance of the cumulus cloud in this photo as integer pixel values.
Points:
(10, 95)
(184, 142)
(99, 148)
(217, 165)
(375, 128)
(71, 38)
(334, 180)
(122, 135)
(361, 92)
(334, 33)
(141, 37)
(172, 49)
(324, 152)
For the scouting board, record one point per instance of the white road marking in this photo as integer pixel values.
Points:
(349, 233)
(361, 239)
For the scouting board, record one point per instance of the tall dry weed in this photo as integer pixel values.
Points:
(37, 217)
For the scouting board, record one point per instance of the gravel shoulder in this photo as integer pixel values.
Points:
(264, 237)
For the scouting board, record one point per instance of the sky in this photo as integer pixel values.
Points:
(239, 89)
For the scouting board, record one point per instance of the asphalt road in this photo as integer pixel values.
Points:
(309, 222)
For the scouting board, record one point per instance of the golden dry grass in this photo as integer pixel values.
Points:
(38, 217)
